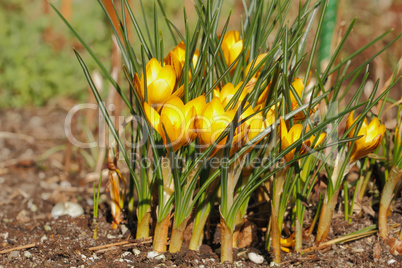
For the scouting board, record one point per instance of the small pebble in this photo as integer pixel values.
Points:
(67, 208)
(65, 184)
(41, 175)
(4, 235)
(125, 254)
(6, 220)
(2, 180)
(27, 254)
(90, 202)
(136, 252)
(109, 236)
(155, 255)
(23, 216)
(13, 254)
(258, 259)
(43, 238)
(124, 229)
(273, 264)
(391, 261)
(47, 227)
(45, 196)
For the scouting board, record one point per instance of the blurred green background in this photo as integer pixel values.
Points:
(37, 63)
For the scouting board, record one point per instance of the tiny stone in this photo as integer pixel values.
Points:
(27, 254)
(391, 261)
(155, 255)
(67, 208)
(125, 254)
(4, 235)
(43, 238)
(109, 236)
(5, 220)
(45, 196)
(13, 254)
(41, 175)
(23, 216)
(124, 229)
(34, 208)
(2, 180)
(90, 201)
(258, 259)
(136, 252)
(65, 184)
(47, 227)
(273, 264)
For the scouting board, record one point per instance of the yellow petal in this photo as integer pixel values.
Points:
(152, 69)
(284, 129)
(349, 123)
(227, 93)
(168, 74)
(153, 117)
(138, 86)
(257, 61)
(158, 92)
(235, 51)
(298, 86)
(197, 103)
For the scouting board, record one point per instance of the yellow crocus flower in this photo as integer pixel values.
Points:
(160, 81)
(287, 243)
(298, 85)
(212, 121)
(177, 56)
(231, 46)
(229, 90)
(257, 61)
(176, 120)
(291, 136)
(372, 134)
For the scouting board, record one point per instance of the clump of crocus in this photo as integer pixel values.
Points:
(372, 134)
(231, 46)
(288, 137)
(371, 138)
(160, 83)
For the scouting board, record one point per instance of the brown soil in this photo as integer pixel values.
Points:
(30, 187)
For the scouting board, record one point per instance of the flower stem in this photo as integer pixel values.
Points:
(275, 235)
(298, 236)
(327, 211)
(386, 197)
(199, 224)
(176, 239)
(275, 228)
(365, 183)
(226, 242)
(161, 234)
(143, 226)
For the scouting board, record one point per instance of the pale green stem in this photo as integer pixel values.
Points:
(386, 198)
